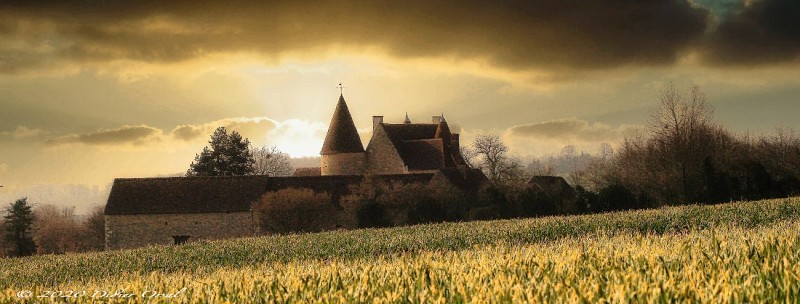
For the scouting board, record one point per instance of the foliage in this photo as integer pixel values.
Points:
(18, 221)
(57, 230)
(96, 226)
(737, 252)
(228, 155)
(381, 204)
(295, 210)
(271, 161)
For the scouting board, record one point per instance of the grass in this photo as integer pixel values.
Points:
(736, 251)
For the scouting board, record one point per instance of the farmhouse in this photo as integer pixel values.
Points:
(146, 211)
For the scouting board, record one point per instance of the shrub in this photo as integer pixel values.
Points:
(383, 204)
(295, 210)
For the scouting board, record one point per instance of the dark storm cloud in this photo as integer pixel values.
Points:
(123, 135)
(515, 35)
(766, 31)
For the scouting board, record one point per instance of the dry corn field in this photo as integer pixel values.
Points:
(737, 252)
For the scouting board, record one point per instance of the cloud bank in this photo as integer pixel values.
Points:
(136, 135)
(512, 35)
(571, 129)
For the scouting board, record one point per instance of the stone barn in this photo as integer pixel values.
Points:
(174, 210)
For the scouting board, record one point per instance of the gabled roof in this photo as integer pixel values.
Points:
(553, 185)
(179, 195)
(424, 146)
(342, 135)
(184, 194)
(403, 132)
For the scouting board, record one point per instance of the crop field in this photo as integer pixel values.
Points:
(736, 252)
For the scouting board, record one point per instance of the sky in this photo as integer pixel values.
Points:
(94, 90)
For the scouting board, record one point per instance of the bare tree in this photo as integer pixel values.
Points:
(680, 128)
(492, 151)
(271, 161)
(57, 230)
(606, 152)
(537, 167)
(469, 155)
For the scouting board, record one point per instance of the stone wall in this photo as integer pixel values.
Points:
(131, 231)
(382, 157)
(343, 164)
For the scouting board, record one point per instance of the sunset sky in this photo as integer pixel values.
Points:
(93, 90)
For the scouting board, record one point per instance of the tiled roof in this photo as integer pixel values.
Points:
(184, 194)
(308, 171)
(553, 185)
(402, 132)
(425, 154)
(424, 146)
(342, 135)
(176, 195)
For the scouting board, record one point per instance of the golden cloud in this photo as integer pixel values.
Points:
(571, 129)
(136, 135)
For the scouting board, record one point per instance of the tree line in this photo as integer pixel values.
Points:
(48, 229)
(682, 157)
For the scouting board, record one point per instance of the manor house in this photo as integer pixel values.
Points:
(174, 210)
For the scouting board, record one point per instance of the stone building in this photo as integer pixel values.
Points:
(393, 149)
(147, 211)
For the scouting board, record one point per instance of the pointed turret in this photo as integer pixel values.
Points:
(342, 135)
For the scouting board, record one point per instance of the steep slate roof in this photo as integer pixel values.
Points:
(401, 132)
(184, 194)
(342, 135)
(177, 195)
(424, 146)
(424, 154)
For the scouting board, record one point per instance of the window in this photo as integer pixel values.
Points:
(180, 239)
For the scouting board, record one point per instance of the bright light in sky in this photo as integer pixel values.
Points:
(298, 138)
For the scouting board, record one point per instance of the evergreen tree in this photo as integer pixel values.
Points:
(18, 221)
(228, 155)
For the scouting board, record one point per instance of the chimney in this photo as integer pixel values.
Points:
(436, 119)
(376, 120)
(454, 140)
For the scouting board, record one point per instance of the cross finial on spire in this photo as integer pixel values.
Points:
(341, 89)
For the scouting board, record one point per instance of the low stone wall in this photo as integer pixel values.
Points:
(131, 231)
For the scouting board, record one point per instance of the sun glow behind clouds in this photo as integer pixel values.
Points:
(298, 138)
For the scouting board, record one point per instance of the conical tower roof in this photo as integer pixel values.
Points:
(342, 135)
